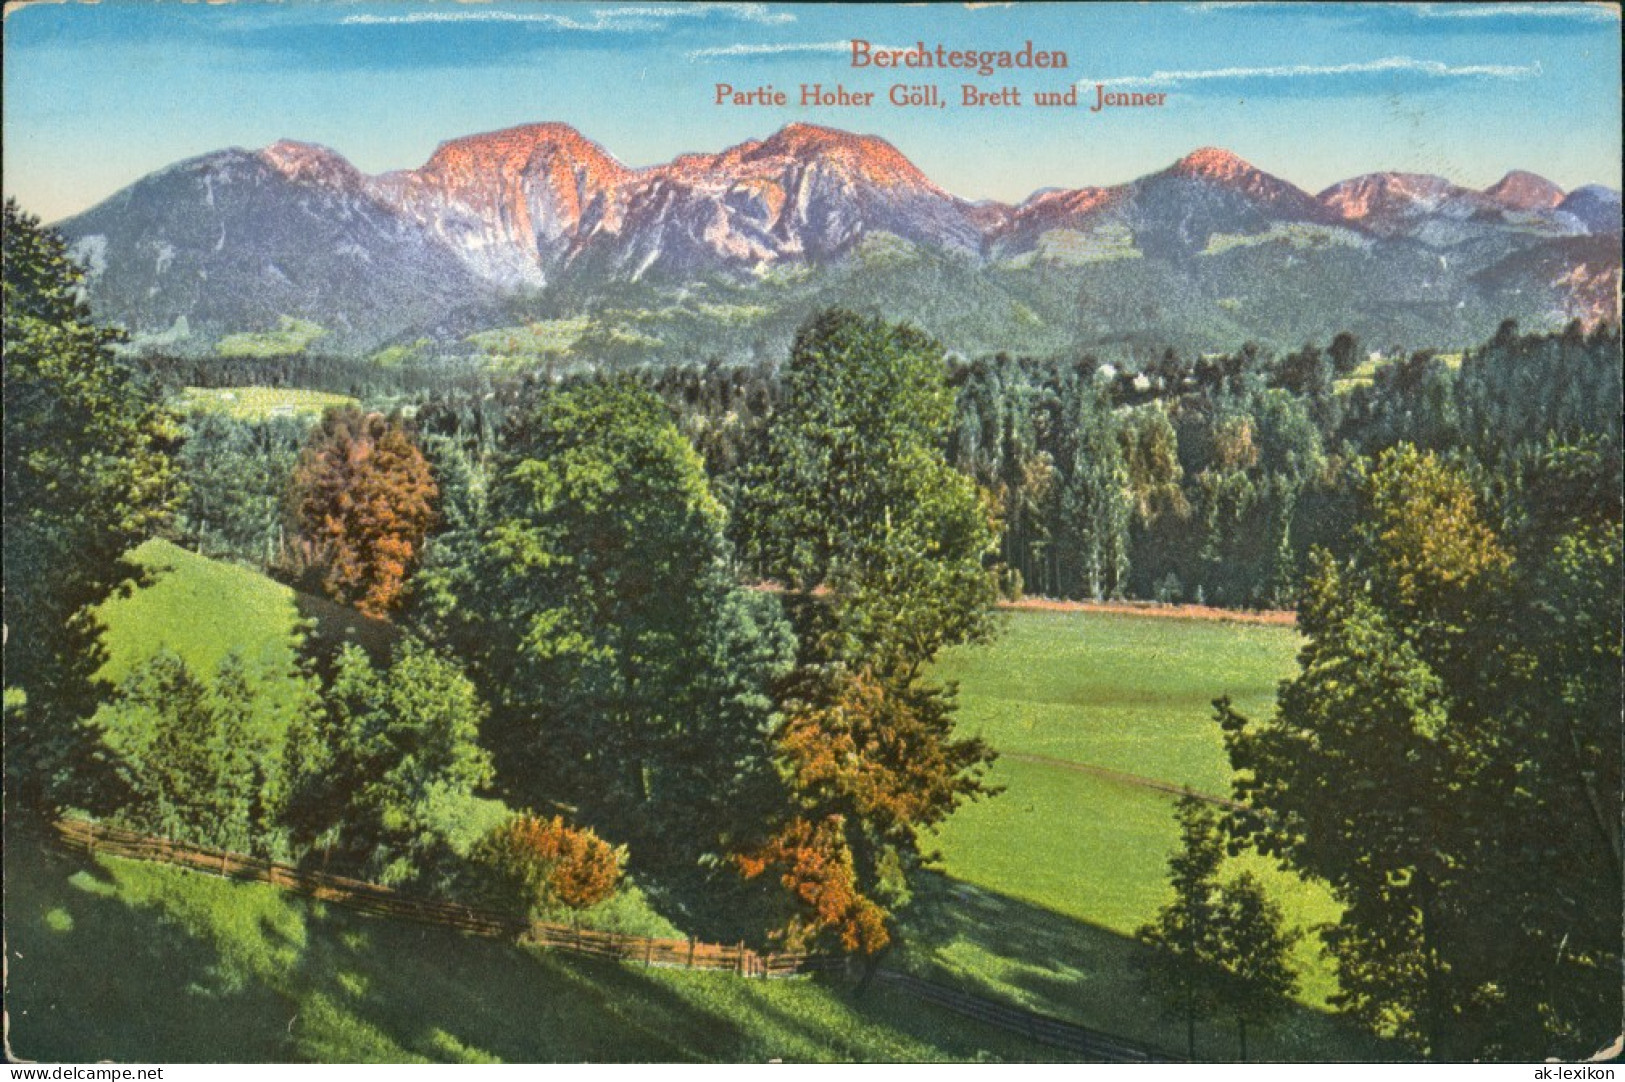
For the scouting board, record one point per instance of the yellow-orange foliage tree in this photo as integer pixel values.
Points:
(815, 867)
(535, 865)
(364, 499)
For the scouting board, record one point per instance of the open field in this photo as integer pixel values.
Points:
(1205, 613)
(1365, 373)
(202, 609)
(260, 403)
(1127, 692)
(115, 959)
(1044, 885)
(291, 336)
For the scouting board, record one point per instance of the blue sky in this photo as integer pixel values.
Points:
(98, 95)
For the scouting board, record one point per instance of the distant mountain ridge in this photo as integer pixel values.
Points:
(236, 239)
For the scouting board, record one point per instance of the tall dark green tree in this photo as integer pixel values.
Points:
(1256, 976)
(1218, 946)
(629, 671)
(1186, 938)
(373, 775)
(851, 493)
(87, 475)
(235, 475)
(1436, 759)
(1092, 498)
(887, 549)
(195, 765)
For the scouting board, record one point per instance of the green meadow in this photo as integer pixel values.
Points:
(1035, 901)
(1042, 887)
(260, 403)
(203, 609)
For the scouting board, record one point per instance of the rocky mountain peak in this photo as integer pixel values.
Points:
(512, 151)
(865, 157)
(1373, 195)
(1214, 163)
(1525, 191)
(311, 163)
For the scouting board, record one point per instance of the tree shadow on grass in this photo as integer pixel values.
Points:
(329, 627)
(140, 962)
(1006, 949)
(91, 976)
(441, 995)
(445, 996)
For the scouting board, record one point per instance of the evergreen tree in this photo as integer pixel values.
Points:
(629, 671)
(1217, 946)
(87, 476)
(195, 765)
(1257, 979)
(1434, 762)
(1186, 939)
(1092, 499)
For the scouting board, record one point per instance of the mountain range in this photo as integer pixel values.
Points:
(540, 223)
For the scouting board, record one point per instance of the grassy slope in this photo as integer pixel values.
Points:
(213, 970)
(203, 610)
(200, 609)
(1045, 884)
(128, 961)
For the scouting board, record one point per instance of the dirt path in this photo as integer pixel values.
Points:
(1275, 617)
(1119, 776)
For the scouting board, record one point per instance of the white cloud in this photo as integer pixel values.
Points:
(716, 51)
(750, 13)
(1594, 12)
(1591, 12)
(624, 17)
(1432, 68)
(563, 22)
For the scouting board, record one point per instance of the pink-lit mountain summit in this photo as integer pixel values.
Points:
(237, 236)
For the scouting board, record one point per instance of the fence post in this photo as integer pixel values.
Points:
(741, 956)
(691, 952)
(648, 952)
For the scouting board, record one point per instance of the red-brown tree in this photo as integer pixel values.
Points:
(364, 499)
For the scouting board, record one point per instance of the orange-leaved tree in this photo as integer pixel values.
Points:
(815, 866)
(363, 499)
(880, 752)
(536, 866)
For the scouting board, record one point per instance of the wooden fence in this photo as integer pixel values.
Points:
(382, 901)
(636, 949)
